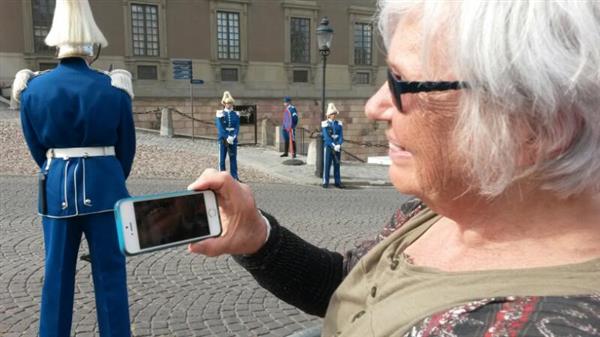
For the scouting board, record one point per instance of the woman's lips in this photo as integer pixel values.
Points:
(397, 152)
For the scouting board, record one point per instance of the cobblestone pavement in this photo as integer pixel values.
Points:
(172, 292)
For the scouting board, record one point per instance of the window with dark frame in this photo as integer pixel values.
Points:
(229, 74)
(146, 72)
(362, 78)
(42, 13)
(300, 76)
(144, 29)
(300, 40)
(228, 35)
(363, 40)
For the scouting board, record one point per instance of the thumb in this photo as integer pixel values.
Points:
(209, 247)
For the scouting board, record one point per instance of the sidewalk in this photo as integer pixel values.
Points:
(353, 173)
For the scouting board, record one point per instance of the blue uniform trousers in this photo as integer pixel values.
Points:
(62, 238)
(286, 135)
(328, 158)
(224, 149)
(286, 140)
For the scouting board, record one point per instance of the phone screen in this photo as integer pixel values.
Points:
(168, 220)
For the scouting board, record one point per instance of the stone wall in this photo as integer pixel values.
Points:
(363, 137)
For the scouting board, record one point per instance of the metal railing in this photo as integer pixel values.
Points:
(155, 124)
(302, 134)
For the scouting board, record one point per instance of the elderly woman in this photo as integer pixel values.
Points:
(493, 112)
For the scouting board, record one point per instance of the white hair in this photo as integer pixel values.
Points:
(73, 25)
(534, 69)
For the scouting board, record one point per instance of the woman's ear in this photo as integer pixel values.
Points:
(543, 143)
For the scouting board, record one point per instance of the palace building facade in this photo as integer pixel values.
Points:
(259, 50)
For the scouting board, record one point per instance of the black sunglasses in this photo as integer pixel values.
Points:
(399, 87)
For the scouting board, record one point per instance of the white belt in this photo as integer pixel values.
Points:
(334, 136)
(77, 152)
(229, 129)
(74, 152)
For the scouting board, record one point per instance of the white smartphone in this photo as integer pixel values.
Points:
(151, 222)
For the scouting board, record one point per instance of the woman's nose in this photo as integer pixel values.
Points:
(380, 106)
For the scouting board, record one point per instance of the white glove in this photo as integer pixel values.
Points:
(337, 147)
(230, 140)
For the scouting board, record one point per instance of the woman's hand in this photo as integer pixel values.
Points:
(244, 229)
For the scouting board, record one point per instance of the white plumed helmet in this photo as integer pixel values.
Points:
(331, 109)
(227, 98)
(74, 31)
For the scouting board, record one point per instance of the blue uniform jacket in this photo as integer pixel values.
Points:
(294, 113)
(290, 118)
(228, 124)
(332, 132)
(76, 106)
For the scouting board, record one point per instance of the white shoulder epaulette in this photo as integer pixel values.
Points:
(219, 113)
(237, 113)
(121, 78)
(324, 124)
(19, 84)
(340, 123)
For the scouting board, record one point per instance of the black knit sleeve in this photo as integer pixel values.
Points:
(295, 271)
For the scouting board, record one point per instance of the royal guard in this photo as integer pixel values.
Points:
(333, 137)
(78, 125)
(288, 126)
(228, 126)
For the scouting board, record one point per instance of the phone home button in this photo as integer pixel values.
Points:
(211, 213)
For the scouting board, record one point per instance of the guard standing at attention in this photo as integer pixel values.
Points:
(333, 137)
(228, 126)
(78, 125)
(288, 126)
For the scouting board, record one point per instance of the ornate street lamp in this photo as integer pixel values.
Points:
(324, 37)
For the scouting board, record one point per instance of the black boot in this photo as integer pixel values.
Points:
(286, 149)
(294, 149)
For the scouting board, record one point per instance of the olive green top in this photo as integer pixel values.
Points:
(385, 295)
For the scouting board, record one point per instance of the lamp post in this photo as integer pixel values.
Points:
(324, 37)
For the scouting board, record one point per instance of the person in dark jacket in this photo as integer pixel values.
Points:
(492, 120)
(288, 127)
(78, 125)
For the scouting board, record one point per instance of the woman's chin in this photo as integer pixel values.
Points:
(404, 179)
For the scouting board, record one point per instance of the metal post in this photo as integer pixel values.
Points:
(320, 159)
(192, 107)
(255, 125)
